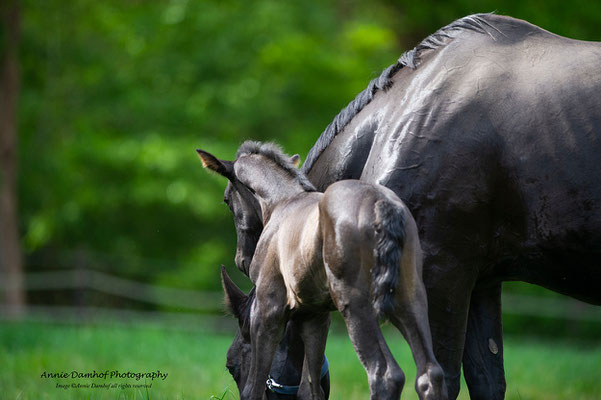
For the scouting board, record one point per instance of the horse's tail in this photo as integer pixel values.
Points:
(390, 237)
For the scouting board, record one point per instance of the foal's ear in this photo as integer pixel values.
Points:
(235, 299)
(224, 168)
(295, 160)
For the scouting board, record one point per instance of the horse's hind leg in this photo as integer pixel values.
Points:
(314, 332)
(411, 318)
(348, 273)
(385, 377)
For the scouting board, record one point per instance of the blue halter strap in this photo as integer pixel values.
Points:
(289, 389)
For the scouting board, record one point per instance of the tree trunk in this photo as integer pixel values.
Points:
(11, 268)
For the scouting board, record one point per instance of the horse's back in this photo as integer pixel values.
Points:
(515, 105)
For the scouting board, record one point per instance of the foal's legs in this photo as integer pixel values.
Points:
(314, 332)
(411, 318)
(348, 266)
(267, 324)
(385, 377)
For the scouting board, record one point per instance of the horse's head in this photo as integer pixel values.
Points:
(239, 353)
(242, 202)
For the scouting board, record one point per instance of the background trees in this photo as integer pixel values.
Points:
(117, 95)
(11, 268)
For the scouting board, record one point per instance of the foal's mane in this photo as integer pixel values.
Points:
(411, 59)
(275, 153)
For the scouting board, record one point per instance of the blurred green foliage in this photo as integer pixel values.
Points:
(117, 95)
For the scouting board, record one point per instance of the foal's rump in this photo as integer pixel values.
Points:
(365, 228)
(389, 228)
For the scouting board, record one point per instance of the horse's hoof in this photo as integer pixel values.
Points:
(430, 386)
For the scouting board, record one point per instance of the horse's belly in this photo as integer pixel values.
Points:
(569, 269)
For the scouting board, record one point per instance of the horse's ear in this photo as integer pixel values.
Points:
(295, 160)
(235, 299)
(224, 168)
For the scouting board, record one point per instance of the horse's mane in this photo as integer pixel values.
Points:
(275, 153)
(409, 59)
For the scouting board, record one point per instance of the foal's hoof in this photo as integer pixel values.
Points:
(431, 386)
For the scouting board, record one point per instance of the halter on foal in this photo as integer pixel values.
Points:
(353, 248)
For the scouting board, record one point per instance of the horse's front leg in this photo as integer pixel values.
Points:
(449, 287)
(483, 353)
(267, 324)
(314, 332)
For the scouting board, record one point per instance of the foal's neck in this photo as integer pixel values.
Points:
(272, 178)
(270, 196)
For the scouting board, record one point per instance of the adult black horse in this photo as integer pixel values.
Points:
(490, 131)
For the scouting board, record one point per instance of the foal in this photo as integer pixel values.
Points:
(353, 248)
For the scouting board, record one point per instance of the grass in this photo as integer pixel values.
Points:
(195, 364)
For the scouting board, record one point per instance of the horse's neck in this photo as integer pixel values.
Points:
(345, 157)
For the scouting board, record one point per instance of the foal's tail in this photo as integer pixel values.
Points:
(390, 237)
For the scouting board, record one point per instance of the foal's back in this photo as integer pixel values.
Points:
(350, 205)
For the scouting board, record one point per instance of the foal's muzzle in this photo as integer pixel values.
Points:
(243, 263)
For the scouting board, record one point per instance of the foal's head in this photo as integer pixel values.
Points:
(259, 171)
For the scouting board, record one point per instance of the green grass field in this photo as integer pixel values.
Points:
(195, 364)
